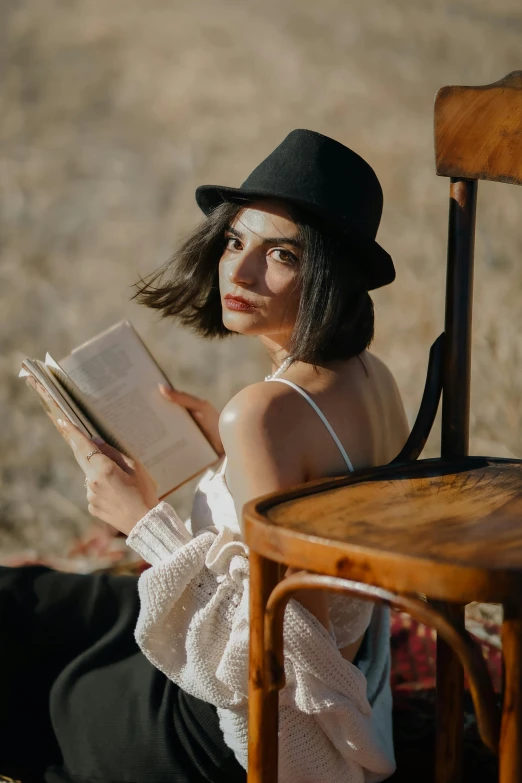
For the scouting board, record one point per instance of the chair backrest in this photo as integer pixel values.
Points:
(478, 131)
(478, 135)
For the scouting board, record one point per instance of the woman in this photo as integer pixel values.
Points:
(288, 257)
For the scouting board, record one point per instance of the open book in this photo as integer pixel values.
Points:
(108, 387)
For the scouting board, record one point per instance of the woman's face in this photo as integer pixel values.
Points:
(260, 264)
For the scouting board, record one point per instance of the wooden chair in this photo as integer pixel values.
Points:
(446, 528)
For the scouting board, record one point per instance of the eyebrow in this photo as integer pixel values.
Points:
(269, 240)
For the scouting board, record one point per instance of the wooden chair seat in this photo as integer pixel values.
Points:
(449, 524)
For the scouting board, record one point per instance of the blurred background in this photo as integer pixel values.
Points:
(113, 112)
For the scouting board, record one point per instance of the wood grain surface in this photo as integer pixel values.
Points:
(511, 729)
(450, 529)
(478, 131)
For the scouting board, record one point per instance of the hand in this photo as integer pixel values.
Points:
(120, 490)
(204, 413)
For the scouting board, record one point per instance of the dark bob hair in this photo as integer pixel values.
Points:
(335, 318)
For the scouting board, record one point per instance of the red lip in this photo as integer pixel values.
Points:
(240, 301)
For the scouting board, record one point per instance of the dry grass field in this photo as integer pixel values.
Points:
(113, 112)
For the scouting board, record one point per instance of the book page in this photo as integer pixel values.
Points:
(55, 399)
(118, 380)
(82, 403)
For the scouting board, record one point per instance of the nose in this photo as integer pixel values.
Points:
(241, 268)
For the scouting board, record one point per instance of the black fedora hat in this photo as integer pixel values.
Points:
(328, 179)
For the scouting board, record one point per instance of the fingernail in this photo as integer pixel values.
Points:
(61, 423)
(165, 387)
(98, 441)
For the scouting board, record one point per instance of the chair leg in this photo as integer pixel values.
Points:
(262, 703)
(510, 756)
(450, 707)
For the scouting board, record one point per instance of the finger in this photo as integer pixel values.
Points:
(174, 394)
(93, 511)
(125, 463)
(82, 446)
(188, 401)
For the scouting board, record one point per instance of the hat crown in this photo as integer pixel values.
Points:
(308, 166)
(327, 179)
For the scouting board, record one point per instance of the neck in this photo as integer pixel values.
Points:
(277, 349)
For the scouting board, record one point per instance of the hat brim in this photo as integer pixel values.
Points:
(377, 268)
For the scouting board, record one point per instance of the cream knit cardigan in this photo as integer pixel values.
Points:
(193, 626)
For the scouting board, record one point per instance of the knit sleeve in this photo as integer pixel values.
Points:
(193, 621)
(158, 533)
(350, 617)
(193, 625)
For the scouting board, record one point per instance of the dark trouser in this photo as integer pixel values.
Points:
(78, 699)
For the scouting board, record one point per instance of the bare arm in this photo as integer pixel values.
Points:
(261, 437)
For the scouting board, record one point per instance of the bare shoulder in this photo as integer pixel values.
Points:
(390, 393)
(262, 441)
(378, 364)
(382, 372)
(261, 407)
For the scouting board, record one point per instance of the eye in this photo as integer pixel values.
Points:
(285, 256)
(228, 240)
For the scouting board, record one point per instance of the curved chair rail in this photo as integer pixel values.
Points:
(467, 650)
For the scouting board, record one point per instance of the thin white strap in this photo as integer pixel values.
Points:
(322, 416)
